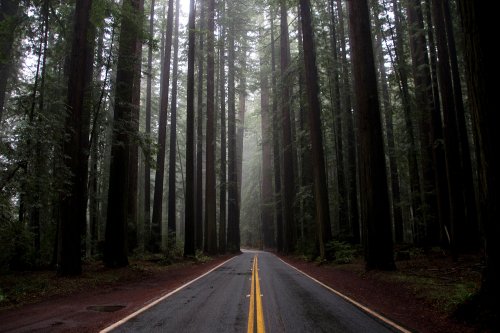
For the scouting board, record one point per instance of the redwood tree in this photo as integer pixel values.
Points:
(115, 248)
(189, 218)
(73, 204)
(480, 60)
(374, 197)
(210, 194)
(315, 132)
(162, 128)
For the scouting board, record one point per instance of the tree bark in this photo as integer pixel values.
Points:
(199, 135)
(162, 135)
(171, 217)
(147, 151)
(278, 212)
(189, 201)
(115, 248)
(288, 172)
(267, 176)
(210, 194)
(315, 132)
(223, 148)
(73, 205)
(352, 166)
(233, 227)
(480, 60)
(374, 198)
(451, 136)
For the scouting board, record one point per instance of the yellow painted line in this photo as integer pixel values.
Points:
(255, 301)
(251, 307)
(261, 327)
(150, 305)
(353, 302)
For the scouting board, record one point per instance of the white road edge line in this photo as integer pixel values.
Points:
(350, 300)
(150, 305)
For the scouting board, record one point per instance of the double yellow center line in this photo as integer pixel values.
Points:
(255, 313)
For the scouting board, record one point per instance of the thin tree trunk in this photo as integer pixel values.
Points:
(162, 128)
(147, 150)
(132, 218)
(267, 176)
(288, 172)
(427, 231)
(451, 135)
(210, 194)
(437, 128)
(278, 212)
(171, 217)
(189, 200)
(223, 149)
(472, 227)
(397, 214)
(240, 123)
(233, 227)
(343, 213)
(351, 138)
(199, 135)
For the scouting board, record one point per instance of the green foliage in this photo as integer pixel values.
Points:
(344, 253)
(16, 248)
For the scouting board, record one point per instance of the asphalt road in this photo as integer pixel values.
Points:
(220, 302)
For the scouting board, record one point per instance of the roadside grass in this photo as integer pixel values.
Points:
(19, 288)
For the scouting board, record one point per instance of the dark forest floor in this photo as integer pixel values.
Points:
(421, 295)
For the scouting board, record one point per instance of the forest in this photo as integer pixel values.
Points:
(178, 127)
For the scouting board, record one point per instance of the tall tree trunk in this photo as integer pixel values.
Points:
(73, 205)
(223, 149)
(240, 123)
(397, 214)
(147, 150)
(199, 135)
(115, 248)
(451, 136)
(288, 172)
(267, 176)
(189, 200)
(39, 155)
(132, 218)
(427, 233)
(233, 226)
(343, 213)
(437, 128)
(278, 211)
(472, 226)
(162, 135)
(173, 137)
(480, 59)
(8, 21)
(351, 138)
(318, 162)
(210, 194)
(374, 198)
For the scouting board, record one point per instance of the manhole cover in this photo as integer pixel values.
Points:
(105, 308)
